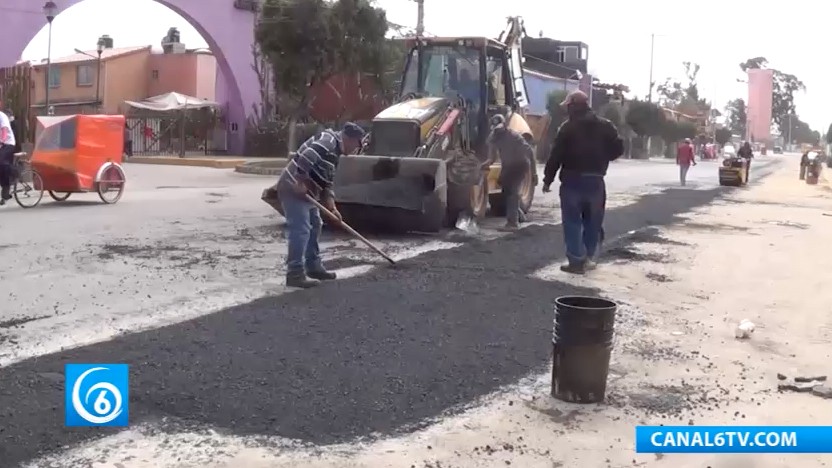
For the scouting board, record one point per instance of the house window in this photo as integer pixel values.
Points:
(155, 74)
(560, 55)
(570, 54)
(83, 76)
(54, 77)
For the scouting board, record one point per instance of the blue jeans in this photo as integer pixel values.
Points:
(303, 228)
(582, 203)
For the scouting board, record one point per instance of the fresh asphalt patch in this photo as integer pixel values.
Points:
(375, 354)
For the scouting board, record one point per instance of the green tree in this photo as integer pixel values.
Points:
(556, 112)
(784, 87)
(644, 118)
(736, 112)
(722, 136)
(612, 112)
(309, 41)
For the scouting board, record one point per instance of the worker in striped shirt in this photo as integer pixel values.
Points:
(311, 171)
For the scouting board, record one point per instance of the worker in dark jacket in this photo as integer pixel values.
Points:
(516, 155)
(583, 148)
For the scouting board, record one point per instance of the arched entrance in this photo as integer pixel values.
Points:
(227, 29)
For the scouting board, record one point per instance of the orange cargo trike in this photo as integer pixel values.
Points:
(76, 154)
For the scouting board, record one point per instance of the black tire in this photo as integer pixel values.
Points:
(28, 188)
(117, 181)
(467, 198)
(59, 198)
(498, 200)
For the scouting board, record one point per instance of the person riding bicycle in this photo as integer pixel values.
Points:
(7, 150)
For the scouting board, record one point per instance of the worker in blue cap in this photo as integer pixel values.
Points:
(311, 171)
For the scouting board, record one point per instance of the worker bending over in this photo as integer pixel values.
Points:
(515, 154)
(311, 172)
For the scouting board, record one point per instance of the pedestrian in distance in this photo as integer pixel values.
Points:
(583, 149)
(7, 150)
(747, 153)
(128, 141)
(516, 156)
(685, 158)
(311, 172)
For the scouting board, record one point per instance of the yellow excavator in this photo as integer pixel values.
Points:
(419, 170)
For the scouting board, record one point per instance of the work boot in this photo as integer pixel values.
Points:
(574, 268)
(590, 265)
(320, 274)
(300, 280)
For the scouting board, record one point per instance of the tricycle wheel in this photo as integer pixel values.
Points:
(28, 188)
(59, 196)
(111, 186)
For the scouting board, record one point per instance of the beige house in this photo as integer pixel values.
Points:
(77, 86)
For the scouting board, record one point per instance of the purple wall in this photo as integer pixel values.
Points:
(227, 30)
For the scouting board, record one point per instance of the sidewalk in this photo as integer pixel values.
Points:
(215, 161)
(760, 253)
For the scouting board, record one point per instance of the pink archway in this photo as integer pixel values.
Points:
(227, 29)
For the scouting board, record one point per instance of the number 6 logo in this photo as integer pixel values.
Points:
(103, 403)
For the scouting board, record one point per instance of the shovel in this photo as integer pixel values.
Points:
(350, 230)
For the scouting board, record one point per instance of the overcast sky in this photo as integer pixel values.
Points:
(618, 34)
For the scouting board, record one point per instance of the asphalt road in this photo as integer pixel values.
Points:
(375, 353)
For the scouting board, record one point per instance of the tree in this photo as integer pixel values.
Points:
(673, 131)
(692, 89)
(722, 136)
(737, 116)
(644, 118)
(612, 112)
(309, 41)
(829, 135)
(784, 86)
(556, 112)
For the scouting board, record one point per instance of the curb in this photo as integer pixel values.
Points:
(191, 162)
(265, 168)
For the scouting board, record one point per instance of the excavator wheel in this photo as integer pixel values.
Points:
(467, 199)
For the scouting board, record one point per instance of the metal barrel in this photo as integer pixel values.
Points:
(582, 340)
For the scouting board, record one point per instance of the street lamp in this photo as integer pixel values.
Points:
(50, 10)
(100, 49)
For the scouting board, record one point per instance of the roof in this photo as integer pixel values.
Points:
(88, 55)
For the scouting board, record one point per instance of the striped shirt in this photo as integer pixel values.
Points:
(314, 163)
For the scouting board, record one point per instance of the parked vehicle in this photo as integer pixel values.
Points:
(777, 150)
(73, 154)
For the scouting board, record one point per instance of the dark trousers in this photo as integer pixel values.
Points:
(128, 148)
(6, 169)
(511, 178)
(583, 200)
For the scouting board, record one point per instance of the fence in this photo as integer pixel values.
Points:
(190, 135)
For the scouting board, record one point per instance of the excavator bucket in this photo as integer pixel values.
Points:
(384, 193)
(392, 193)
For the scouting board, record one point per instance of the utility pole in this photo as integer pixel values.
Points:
(789, 133)
(652, 48)
(420, 18)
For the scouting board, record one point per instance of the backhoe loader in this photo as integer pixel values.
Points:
(419, 170)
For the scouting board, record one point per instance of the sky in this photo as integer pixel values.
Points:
(717, 35)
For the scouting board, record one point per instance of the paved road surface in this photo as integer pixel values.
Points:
(373, 353)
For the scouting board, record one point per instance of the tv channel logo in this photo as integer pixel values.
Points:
(96, 395)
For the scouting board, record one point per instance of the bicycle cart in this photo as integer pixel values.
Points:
(73, 154)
